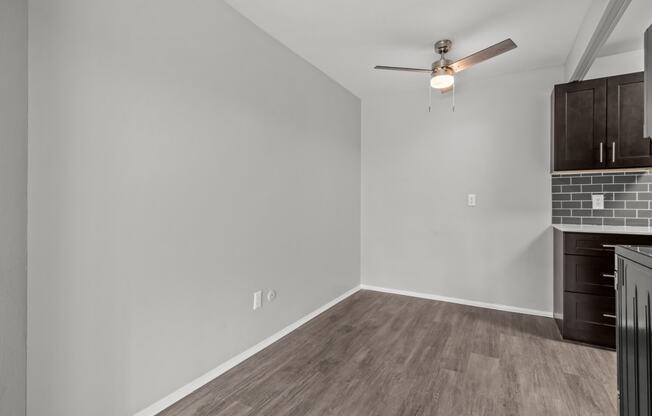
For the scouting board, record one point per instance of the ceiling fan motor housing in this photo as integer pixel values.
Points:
(442, 64)
(443, 46)
(442, 71)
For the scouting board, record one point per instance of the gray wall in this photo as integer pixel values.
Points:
(180, 159)
(418, 167)
(13, 205)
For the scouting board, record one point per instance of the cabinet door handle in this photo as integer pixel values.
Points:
(613, 152)
(608, 246)
(608, 315)
(611, 276)
(601, 145)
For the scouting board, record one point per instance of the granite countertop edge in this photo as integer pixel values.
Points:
(603, 229)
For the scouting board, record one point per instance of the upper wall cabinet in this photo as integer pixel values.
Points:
(598, 124)
(580, 122)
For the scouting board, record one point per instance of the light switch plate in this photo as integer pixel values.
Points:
(597, 201)
(470, 200)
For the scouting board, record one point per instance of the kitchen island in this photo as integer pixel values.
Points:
(634, 287)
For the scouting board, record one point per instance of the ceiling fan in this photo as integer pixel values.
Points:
(443, 70)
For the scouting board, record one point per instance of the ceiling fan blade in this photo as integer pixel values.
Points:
(400, 68)
(483, 55)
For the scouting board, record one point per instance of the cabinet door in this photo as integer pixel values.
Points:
(627, 148)
(590, 319)
(580, 113)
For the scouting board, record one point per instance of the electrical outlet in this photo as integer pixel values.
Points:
(258, 299)
(597, 201)
(470, 200)
(271, 295)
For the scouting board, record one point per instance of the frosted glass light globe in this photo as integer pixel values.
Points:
(441, 81)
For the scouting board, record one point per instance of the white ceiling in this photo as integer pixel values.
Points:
(628, 34)
(346, 38)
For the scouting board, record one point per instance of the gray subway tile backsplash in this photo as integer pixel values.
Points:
(589, 188)
(612, 188)
(603, 179)
(580, 196)
(637, 204)
(608, 204)
(591, 221)
(609, 221)
(636, 187)
(572, 188)
(625, 213)
(625, 179)
(637, 222)
(627, 196)
(603, 213)
(580, 180)
(561, 181)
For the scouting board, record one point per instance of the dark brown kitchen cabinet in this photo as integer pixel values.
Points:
(598, 124)
(583, 288)
(580, 121)
(625, 119)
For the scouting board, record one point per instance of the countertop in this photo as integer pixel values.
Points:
(638, 254)
(603, 229)
(644, 250)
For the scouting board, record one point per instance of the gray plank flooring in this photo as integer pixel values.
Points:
(383, 354)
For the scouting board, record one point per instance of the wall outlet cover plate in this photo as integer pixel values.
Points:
(258, 300)
(597, 201)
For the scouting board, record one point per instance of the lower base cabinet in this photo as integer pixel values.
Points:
(634, 337)
(584, 292)
(590, 318)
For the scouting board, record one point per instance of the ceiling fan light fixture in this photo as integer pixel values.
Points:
(442, 71)
(442, 78)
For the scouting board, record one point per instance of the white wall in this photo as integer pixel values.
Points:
(13, 205)
(622, 63)
(417, 232)
(180, 159)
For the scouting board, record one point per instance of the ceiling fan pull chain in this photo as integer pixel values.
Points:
(453, 98)
(429, 97)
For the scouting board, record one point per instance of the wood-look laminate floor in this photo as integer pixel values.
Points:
(382, 354)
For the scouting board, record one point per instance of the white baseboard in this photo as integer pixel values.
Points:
(459, 301)
(179, 394)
